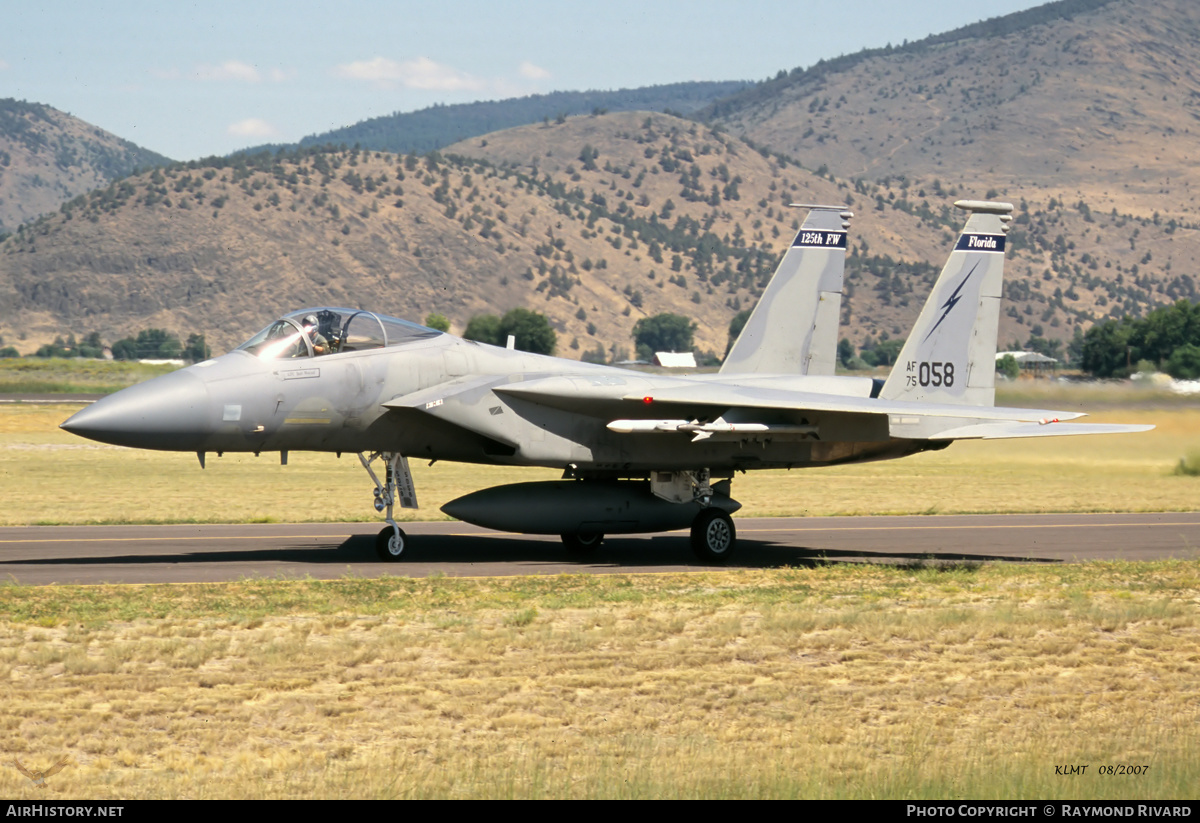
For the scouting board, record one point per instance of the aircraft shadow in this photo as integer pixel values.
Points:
(631, 552)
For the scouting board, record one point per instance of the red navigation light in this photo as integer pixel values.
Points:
(647, 400)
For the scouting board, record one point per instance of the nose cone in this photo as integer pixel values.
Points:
(172, 412)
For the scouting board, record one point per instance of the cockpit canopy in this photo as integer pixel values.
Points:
(317, 332)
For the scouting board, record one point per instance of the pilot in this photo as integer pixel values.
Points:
(319, 343)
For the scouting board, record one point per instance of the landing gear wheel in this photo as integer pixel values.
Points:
(582, 542)
(390, 544)
(713, 536)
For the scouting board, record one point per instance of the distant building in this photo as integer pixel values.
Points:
(675, 360)
(1031, 362)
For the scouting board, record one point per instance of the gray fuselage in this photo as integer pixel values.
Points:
(445, 400)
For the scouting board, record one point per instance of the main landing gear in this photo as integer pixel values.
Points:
(391, 541)
(713, 535)
(676, 499)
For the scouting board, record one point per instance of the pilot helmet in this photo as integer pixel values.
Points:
(310, 320)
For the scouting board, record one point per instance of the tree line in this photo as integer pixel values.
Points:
(532, 332)
(438, 126)
(148, 344)
(1167, 338)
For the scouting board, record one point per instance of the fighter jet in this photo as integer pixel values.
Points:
(639, 452)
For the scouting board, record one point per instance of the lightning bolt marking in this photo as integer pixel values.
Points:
(952, 301)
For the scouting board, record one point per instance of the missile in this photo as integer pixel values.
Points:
(717, 427)
(574, 507)
(640, 426)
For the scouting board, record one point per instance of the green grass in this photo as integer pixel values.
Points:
(36, 375)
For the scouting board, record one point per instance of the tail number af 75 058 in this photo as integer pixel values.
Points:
(925, 373)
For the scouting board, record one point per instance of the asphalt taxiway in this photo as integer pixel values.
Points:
(40, 555)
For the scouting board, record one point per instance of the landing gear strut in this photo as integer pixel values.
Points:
(391, 541)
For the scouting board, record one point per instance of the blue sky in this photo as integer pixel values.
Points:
(190, 79)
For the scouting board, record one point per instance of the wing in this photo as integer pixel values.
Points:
(646, 404)
(24, 770)
(57, 767)
(510, 415)
(580, 393)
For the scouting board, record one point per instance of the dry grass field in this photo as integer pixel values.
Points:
(49, 476)
(847, 681)
(841, 681)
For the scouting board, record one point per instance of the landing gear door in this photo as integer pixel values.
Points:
(682, 487)
(674, 487)
(406, 490)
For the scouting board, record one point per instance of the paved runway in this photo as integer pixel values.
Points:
(39, 555)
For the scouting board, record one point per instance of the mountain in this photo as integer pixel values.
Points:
(48, 157)
(1067, 265)
(1090, 100)
(1079, 112)
(438, 126)
(220, 246)
(595, 222)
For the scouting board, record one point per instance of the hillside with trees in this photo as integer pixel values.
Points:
(1079, 100)
(216, 247)
(48, 156)
(1078, 112)
(433, 128)
(596, 223)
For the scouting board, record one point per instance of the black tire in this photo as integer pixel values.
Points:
(713, 536)
(386, 547)
(582, 543)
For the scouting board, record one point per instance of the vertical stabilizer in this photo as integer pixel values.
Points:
(793, 329)
(950, 356)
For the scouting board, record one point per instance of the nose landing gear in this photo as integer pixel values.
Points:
(391, 541)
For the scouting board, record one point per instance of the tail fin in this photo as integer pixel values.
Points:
(793, 329)
(950, 356)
